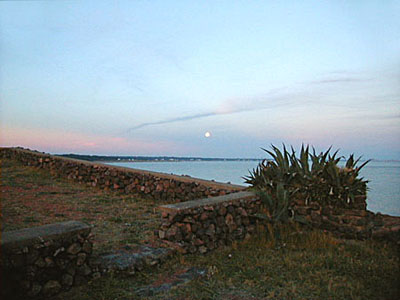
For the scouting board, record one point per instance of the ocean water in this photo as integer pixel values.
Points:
(384, 177)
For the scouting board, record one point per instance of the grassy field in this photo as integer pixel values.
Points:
(304, 265)
(31, 197)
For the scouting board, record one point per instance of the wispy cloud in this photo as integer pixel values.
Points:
(173, 120)
(297, 95)
(232, 106)
(339, 80)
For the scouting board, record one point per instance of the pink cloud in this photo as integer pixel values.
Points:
(54, 141)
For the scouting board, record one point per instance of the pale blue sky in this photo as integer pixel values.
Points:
(151, 77)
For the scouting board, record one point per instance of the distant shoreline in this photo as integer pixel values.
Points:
(135, 159)
(101, 158)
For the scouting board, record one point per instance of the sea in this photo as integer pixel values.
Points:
(383, 187)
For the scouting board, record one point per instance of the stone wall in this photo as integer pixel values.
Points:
(349, 223)
(127, 180)
(202, 225)
(40, 262)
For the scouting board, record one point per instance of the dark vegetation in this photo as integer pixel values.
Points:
(309, 178)
(323, 181)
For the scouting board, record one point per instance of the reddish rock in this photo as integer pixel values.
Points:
(204, 216)
(159, 187)
(242, 212)
(222, 211)
(198, 242)
(395, 228)
(171, 233)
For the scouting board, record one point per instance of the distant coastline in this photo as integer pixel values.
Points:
(136, 158)
(106, 158)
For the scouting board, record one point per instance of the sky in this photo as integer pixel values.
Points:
(152, 77)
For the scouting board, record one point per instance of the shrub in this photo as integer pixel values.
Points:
(310, 177)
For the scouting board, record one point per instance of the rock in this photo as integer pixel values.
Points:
(171, 233)
(161, 234)
(174, 281)
(81, 259)
(67, 280)
(51, 288)
(71, 270)
(195, 227)
(40, 262)
(80, 280)
(380, 233)
(84, 270)
(198, 242)
(395, 228)
(203, 216)
(210, 230)
(35, 289)
(31, 272)
(62, 263)
(228, 219)
(203, 249)
(220, 221)
(32, 256)
(242, 211)
(188, 228)
(210, 245)
(189, 219)
(25, 284)
(74, 248)
(222, 211)
(17, 260)
(87, 247)
(238, 220)
(96, 275)
(49, 261)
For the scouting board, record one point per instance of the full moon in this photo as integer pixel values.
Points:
(207, 134)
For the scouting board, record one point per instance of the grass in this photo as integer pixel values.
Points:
(304, 265)
(32, 197)
(308, 265)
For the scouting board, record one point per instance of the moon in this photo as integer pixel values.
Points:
(207, 134)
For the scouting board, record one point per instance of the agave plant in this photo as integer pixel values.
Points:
(276, 209)
(310, 176)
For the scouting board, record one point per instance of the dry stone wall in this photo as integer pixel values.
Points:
(202, 225)
(349, 223)
(145, 183)
(40, 262)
